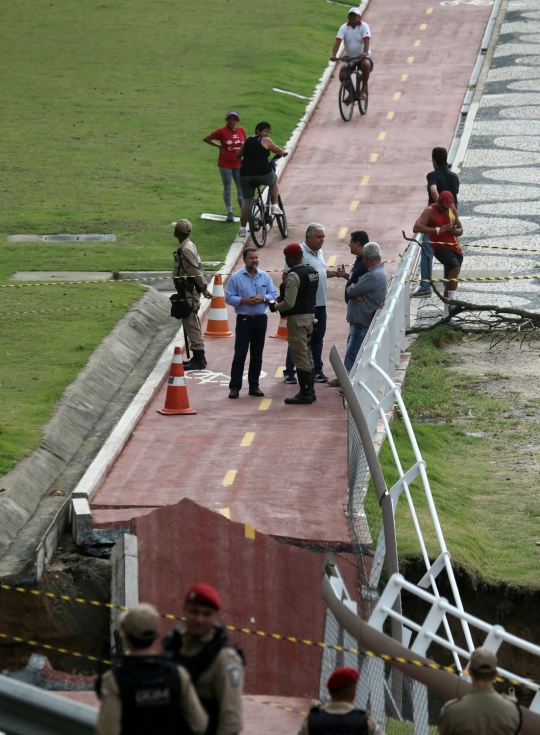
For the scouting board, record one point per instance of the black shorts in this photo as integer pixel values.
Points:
(449, 258)
(246, 183)
(356, 65)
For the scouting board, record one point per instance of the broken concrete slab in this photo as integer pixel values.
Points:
(265, 584)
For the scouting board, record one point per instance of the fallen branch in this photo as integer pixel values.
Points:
(489, 317)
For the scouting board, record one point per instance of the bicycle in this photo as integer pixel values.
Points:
(260, 217)
(349, 91)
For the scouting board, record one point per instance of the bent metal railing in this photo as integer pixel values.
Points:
(406, 698)
(371, 395)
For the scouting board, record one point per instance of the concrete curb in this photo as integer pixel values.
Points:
(124, 584)
(456, 148)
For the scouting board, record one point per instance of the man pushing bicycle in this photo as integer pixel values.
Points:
(356, 38)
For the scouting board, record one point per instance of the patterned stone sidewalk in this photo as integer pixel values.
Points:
(499, 201)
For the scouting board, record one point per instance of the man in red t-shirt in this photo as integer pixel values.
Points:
(230, 138)
(441, 222)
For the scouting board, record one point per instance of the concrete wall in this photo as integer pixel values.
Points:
(29, 516)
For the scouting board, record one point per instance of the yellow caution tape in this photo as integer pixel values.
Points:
(487, 279)
(57, 649)
(247, 631)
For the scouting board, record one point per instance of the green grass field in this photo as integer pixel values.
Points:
(487, 509)
(105, 107)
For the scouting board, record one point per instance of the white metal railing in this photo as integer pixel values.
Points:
(441, 609)
(374, 386)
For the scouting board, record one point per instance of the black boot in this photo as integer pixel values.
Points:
(305, 395)
(197, 362)
(312, 386)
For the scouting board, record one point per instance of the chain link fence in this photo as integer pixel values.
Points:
(400, 705)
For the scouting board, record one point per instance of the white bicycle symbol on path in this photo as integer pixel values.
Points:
(467, 2)
(208, 376)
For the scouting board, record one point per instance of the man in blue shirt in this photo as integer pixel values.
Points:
(249, 290)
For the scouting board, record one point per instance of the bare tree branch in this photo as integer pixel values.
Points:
(490, 317)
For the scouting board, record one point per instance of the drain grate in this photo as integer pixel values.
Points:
(62, 238)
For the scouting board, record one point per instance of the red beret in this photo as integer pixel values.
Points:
(293, 249)
(342, 678)
(203, 594)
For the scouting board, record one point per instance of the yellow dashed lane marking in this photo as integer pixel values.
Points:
(381, 136)
(353, 206)
(423, 26)
(249, 531)
(225, 512)
(343, 231)
(248, 438)
(390, 116)
(397, 95)
(417, 43)
(404, 77)
(373, 158)
(364, 181)
(265, 404)
(331, 260)
(279, 372)
(229, 477)
(429, 11)
(410, 59)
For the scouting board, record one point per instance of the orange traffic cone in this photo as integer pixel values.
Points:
(176, 400)
(282, 329)
(218, 321)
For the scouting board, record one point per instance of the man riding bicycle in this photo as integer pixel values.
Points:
(257, 168)
(356, 39)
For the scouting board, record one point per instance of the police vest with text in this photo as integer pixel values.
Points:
(150, 692)
(321, 722)
(307, 292)
(195, 665)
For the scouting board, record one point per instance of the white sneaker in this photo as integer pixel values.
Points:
(242, 232)
(276, 209)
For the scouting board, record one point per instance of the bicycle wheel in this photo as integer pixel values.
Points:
(346, 92)
(257, 223)
(282, 220)
(362, 104)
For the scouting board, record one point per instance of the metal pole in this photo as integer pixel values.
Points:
(379, 483)
(27, 710)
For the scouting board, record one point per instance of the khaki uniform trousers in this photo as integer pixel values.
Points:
(192, 325)
(299, 330)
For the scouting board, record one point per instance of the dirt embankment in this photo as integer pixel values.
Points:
(75, 626)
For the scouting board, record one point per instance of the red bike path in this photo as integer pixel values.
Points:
(282, 470)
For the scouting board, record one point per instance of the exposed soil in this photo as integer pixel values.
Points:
(75, 626)
(515, 609)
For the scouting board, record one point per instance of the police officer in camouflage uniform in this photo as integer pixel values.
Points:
(298, 295)
(339, 716)
(483, 711)
(147, 693)
(215, 664)
(190, 283)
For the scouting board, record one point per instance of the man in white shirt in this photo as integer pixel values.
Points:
(313, 256)
(356, 38)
